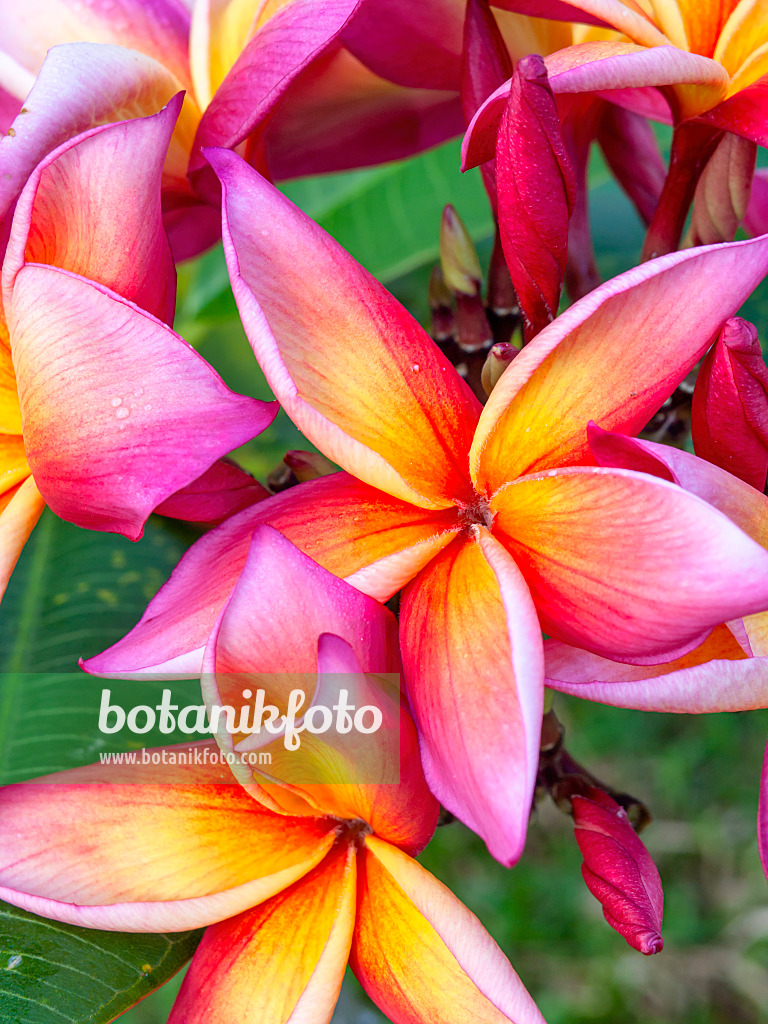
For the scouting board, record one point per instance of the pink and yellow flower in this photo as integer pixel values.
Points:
(496, 520)
(105, 412)
(291, 891)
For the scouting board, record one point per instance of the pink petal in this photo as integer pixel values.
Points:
(279, 51)
(157, 28)
(342, 349)
(717, 676)
(744, 113)
(471, 646)
(756, 218)
(626, 565)
(118, 411)
(220, 492)
(93, 207)
(82, 85)
(619, 871)
(722, 193)
(537, 414)
(536, 194)
(347, 526)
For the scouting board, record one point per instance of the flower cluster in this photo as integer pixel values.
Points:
(486, 521)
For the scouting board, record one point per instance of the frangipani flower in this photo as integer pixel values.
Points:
(288, 895)
(105, 413)
(700, 67)
(493, 519)
(299, 79)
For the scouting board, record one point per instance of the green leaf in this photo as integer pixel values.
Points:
(51, 972)
(74, 593)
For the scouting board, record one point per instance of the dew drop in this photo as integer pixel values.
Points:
(13, 962)
(415, 367)
(147, 408)
(139, 392)
(116, 402)
(123, 413)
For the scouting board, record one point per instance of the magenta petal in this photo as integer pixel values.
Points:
(619, 871)
(92, 207)
(536, 194)
(417, 45)
(220, 492)
(118, 411)
(293, 38)
(756, 217)
(632, 153)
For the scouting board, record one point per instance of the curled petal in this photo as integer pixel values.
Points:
(148, 856)
(93, 207)
(118, 411)
(422, 956)
(218, 493)
(252, 960)
(472, 649)
(673, 306)
(82, 85)
(626, 565)
(619, 71)
(624, 17)
(722, 193)
(619, 871)
(351, 529)
(343, 349)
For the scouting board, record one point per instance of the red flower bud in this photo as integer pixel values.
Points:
(730, 405)
(619, 871)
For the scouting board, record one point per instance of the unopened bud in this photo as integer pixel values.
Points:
(458, 256)
(441, 306)
(730, 405)
(618, 870)
(308, 465)
(499, 358)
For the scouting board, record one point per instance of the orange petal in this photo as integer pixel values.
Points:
(351, 367)
(17, 520)
(282, 962)
(10, 414)
(537, 415)
(474, 669)
(422, 956)
(147, 857)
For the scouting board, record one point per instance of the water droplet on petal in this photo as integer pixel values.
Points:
(123, 413)
(116, 402)
(415, 367)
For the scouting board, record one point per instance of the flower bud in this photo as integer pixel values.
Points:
(308, 465)
(730, 405)
(499, 358)
(618, 870)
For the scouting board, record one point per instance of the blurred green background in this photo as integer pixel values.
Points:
(74, 593)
